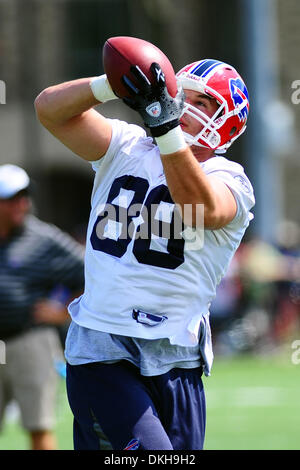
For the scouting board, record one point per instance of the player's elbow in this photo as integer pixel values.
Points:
(220, 217)
(40, 105)
(44, 107)
(203, 216)
(214, 220)
(195, 211)
(192, 214)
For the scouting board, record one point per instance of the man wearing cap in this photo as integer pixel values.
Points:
(41, 268)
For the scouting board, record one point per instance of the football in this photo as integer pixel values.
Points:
(121, 52)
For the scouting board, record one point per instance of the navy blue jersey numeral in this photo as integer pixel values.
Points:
(115, 213)
(127, 204)
(159, 228)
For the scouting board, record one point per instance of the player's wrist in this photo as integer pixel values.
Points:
(159, 130)
(172, 141)
(101, 89)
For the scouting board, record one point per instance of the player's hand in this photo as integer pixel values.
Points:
(158, 109)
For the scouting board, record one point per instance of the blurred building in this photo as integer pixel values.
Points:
(46, 42)
(288, 15)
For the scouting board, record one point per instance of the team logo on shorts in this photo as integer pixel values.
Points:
(134, 444)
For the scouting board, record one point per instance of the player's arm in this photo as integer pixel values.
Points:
(191, 189)
(67, 111)
(194, 191)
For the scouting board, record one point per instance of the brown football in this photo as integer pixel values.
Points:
(121, 52)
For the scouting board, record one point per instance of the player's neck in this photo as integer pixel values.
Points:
(201, 153)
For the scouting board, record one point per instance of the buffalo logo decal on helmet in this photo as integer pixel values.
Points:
(239, 95)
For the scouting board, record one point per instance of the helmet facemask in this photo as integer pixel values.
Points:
(208, 135)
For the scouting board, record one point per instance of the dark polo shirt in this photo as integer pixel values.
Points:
(38, 261)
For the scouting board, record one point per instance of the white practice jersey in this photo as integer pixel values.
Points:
(146, 275)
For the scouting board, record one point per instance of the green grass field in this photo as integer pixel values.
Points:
(252, 403)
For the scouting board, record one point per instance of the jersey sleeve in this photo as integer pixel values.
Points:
(124, 137)
(233, 175)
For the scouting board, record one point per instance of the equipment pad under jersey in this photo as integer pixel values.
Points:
(147, 275)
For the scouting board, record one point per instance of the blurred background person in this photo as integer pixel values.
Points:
(287, 299)
(41, 269)
(257, 303)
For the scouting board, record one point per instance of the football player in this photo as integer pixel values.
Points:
(168, 213)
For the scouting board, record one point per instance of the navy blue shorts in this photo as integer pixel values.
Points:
(161, 412)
